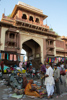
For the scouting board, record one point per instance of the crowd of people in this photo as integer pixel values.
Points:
(50, 76)
(25, 65)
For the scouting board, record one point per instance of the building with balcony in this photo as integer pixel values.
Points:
(25, 29)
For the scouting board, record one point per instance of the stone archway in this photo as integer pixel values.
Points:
(36, 40)
(33, 50)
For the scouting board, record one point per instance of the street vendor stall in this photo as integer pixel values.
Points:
(10, 58)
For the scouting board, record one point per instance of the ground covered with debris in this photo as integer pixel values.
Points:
(8, 93)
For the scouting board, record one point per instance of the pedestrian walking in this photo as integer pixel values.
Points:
(49, 81)
(56, 78)
(42, 73)
(60, 74)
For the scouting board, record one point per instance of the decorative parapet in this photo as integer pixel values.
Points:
(63, 38)
(30, 7)
(12, 20)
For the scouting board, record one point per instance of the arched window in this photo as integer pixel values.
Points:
(24, 16)
(37, 20)
(31, 18)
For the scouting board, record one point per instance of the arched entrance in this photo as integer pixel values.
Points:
(33, 50)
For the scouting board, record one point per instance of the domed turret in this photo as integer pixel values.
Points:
(62, 36)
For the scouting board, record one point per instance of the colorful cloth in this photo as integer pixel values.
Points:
(18, 58)
(15, 58)
(29, 92)
(43, 68)
(5, 67)
(7, 56)
(0, 55)
(11, 57)
(3, 55)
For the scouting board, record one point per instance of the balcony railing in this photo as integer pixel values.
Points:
(11, 40)
(50, 53)
(50, 46)
(10, 48)
(25, 20)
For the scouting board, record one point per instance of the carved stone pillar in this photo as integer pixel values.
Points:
(49, 42)
(15, 40)
(8, 35)
(15, 36)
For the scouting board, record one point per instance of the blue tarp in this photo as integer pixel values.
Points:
(5, 67)
(0, 55)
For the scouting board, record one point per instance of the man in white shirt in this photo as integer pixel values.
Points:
(49, 81)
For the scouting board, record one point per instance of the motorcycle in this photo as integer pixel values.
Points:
(16, 80)
(38, 74)
(35, 73)
(29, 72)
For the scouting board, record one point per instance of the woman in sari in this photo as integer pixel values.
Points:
(31, 90)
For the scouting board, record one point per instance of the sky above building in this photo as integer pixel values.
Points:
(56, 10)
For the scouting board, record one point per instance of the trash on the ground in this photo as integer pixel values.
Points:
(5, 96)
(63, 94)
(10, 95)
(24, 96)
(33, 97)
(10, 89)
(35, 82)
(17, 96)
(19, 92)
(1, 84)
(5, 90)
(1, 81)
(38, 83)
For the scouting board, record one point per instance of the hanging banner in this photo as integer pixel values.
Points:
(18, 58)
(49, 60)
(11, 57)
(15, 58)
(3, 56)
(55, 58)
(7, 56)
(0, 55)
